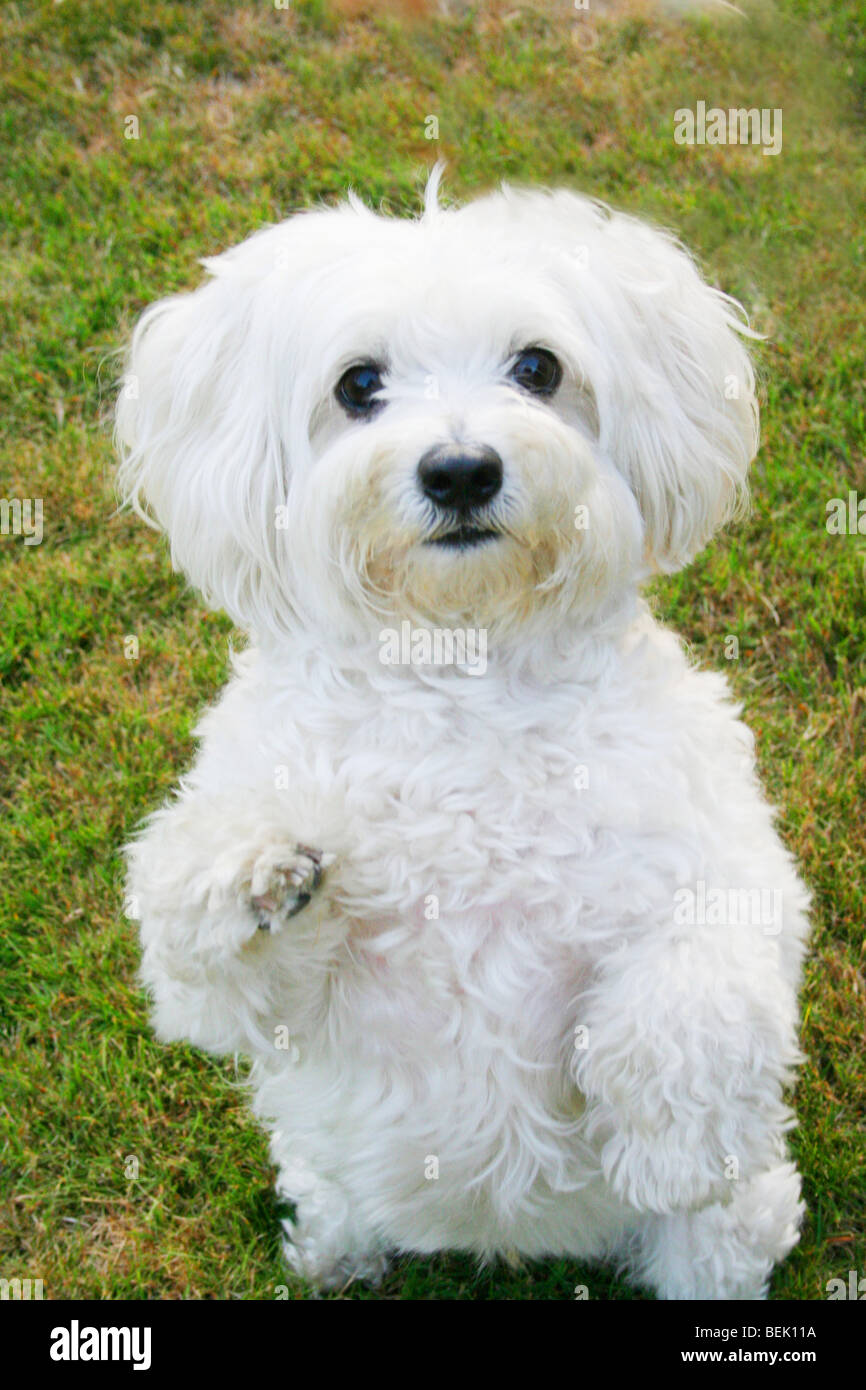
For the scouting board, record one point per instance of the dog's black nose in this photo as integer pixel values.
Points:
(460, 477)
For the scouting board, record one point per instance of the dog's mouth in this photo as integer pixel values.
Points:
(464, 537)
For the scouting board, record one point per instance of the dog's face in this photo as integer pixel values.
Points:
(491, 416)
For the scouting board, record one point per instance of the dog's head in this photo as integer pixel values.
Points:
(510, 411)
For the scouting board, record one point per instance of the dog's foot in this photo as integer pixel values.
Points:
(726, 1251)
(324, 1270)
(283, 882)
(323, 1242)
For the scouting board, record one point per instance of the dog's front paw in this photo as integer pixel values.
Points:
(283, 882)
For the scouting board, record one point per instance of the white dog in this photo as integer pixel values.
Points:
(512, 943)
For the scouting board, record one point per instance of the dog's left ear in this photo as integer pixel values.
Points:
(690, 429)
(674, 385)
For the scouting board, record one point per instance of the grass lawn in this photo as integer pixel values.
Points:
(131, 1169)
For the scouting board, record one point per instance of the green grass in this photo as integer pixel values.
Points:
(246, 113)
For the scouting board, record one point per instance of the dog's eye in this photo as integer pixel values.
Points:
(537, 371)
(357, 389)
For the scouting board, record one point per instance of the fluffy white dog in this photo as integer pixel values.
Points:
(512, 942)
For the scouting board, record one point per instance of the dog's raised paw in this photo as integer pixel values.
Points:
(284, 879)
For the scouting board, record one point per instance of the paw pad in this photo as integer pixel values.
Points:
(284, 881)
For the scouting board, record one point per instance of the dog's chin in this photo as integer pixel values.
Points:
(471, 576)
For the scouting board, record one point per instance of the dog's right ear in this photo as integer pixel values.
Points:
(200, 442)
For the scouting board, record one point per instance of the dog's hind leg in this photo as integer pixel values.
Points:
(727, 1250)
(323, 1244)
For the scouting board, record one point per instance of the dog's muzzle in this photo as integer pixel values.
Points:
(460, 481)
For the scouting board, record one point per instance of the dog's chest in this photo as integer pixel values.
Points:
(523, 819)
(470, 857)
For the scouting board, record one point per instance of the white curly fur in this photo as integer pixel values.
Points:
(488, 1030)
